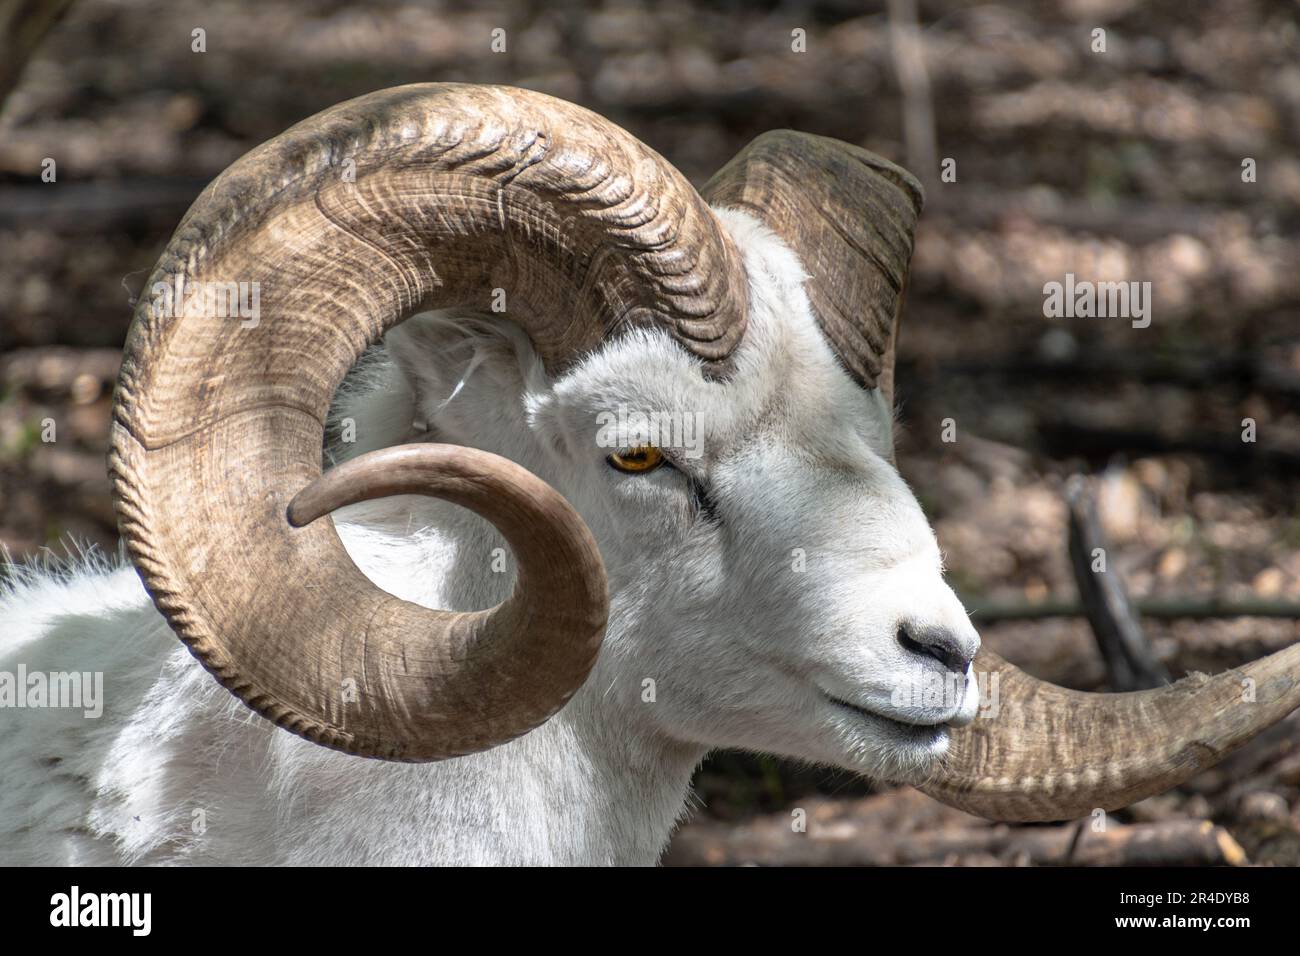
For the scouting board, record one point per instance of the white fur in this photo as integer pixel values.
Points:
(742, 648)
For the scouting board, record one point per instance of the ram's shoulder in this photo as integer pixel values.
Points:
(78, 592)
(81, 646)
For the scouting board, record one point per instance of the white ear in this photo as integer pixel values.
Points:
(373, 409)
(436, 356)
(466, 372)
(883, 415)
(397, 389)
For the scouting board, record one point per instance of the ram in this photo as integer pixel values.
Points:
(544, 287)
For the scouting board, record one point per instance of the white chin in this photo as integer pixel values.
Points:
(888, 750)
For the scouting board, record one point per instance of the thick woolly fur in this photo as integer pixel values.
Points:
(749, 586)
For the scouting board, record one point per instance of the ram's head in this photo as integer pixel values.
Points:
(718, 428)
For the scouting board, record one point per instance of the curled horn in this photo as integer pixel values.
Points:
(418, 197)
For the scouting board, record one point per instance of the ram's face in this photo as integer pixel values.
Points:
(774, 576)
(774, 583)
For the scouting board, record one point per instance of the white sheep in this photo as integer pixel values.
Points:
(760, 574)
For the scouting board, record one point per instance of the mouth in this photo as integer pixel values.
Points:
(919, 728)
(926, 731)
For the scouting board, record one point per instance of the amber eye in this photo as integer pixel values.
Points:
(644, 458)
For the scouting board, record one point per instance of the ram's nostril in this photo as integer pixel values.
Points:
(905, 639)
(937, 644)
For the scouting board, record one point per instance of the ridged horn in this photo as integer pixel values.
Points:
(850, 216)
(419, 197)
(1047, 753)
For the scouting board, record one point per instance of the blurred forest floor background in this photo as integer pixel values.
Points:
(1122, 165)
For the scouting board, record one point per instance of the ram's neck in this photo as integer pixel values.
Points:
(593, 785)
(585, 788)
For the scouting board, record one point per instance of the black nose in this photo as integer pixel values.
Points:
(939, 643)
